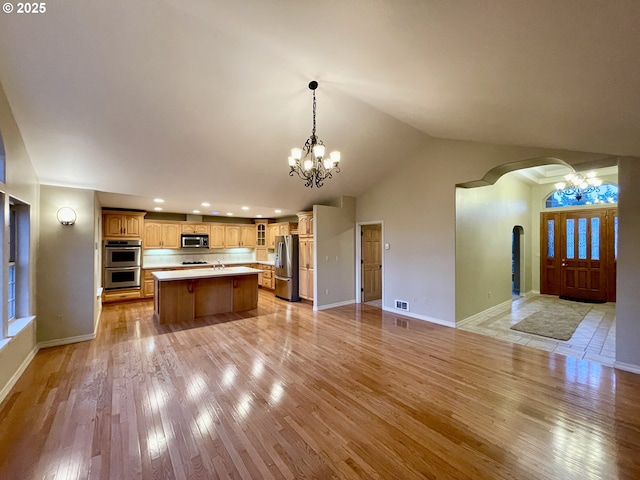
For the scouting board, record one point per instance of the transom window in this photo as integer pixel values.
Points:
(605, 193)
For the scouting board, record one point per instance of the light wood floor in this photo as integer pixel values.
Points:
(283, 392)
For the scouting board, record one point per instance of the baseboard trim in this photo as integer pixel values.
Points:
(629, 367)
(18, 373)
(333, 305)
(417, 316)
(488, 311)
(66, 341)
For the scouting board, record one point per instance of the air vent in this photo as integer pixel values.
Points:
(402, 305)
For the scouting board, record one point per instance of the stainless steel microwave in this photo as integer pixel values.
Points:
(194, 241)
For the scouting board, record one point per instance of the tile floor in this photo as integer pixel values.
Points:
(594, 339)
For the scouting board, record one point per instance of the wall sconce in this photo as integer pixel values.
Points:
(66, 216)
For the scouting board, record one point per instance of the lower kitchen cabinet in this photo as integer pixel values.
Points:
(109, 296)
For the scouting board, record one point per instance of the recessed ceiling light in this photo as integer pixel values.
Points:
(158, 200)
(196, 211)
(214, 212)
(245, 208)
(205, 204)
(258, 216)
(278, 211)
(229, 214)
(157, 208)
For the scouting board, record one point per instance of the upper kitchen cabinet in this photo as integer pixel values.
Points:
(276, 229)
(159, 234)
(261, 241)
(232, 236)
(121, 224)
(305, 223)
(195, 228)
(239, 236)
(248, 236)
(216, 236)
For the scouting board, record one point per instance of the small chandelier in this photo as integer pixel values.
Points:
(313, 166)
(578, 185)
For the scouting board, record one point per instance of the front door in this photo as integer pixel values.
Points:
(583, 263)
(371, 262)
(578, 254)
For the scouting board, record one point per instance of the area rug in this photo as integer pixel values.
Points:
(554, 320)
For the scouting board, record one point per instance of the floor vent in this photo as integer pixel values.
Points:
(402, 305)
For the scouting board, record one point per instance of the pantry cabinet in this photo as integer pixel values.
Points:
(306, 255)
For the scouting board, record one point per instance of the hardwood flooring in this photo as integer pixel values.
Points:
(285, 392)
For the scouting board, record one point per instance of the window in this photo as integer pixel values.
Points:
(3, 163)
(605, 193)
(13, 237)
(17, 289)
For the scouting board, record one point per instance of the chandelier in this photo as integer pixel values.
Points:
(577, 185)
(310, 162)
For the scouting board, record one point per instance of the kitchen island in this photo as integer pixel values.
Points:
(183, 295)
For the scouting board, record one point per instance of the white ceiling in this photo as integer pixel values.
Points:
(194, 100)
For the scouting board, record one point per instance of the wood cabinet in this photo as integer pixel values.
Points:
(232, 236)
(195, 228)
(268, 280)
(307, 255)
(121, 224)
(216, 236)
(305, 224)
(166, 234)
(275, 229)
(262, 253)
(148, 289)
(193, 295)
(109, 296)
(248, 236)
(159, 234)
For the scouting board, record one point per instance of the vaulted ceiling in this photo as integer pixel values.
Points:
(194, 100)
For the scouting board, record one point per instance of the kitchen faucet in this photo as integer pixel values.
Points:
(219, 265)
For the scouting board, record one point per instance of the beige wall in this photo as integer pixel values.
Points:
(628, 283)
(417, 203)
(485, 218)
(21, 183)
(66, 266)
(334, 235)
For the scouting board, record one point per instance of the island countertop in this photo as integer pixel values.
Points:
(191, 274)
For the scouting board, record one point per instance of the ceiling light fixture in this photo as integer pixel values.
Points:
(158, 200)
(205, 204)
(577, 185)
(313, 167)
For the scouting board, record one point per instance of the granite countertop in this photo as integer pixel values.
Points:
(200, 265)
(204, 273)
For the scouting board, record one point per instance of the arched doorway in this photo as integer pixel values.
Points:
(517, 260)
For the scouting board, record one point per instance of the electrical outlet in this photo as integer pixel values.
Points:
(489, 295)
(326, 292)
(59, 318)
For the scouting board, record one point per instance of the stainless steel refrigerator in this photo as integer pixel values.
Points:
(286, 267)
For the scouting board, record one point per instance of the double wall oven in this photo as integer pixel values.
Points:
(122, 264)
